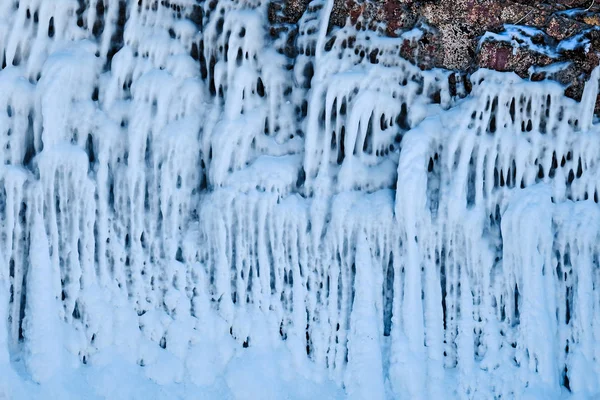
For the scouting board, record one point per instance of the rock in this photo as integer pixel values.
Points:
(424, 52)
(501, 56)
(561, 28)
(569, 32)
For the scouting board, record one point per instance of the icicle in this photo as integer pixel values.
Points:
(41, 326)
(529, 215)
(588, 100)
(364, 376)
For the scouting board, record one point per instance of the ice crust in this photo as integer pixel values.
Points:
(180, 194)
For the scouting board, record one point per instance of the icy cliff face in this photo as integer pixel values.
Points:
(180, 183)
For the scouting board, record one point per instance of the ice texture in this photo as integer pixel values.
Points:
(194, 196)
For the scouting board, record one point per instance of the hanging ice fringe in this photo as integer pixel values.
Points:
(165, 181)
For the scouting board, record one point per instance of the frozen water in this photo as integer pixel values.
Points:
(194, 205)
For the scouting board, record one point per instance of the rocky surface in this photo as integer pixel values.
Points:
(557, 40)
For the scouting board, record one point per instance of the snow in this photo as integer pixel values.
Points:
(189, 210)
(581, 40)
(523, 36)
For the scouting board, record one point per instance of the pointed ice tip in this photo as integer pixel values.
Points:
(588, 99)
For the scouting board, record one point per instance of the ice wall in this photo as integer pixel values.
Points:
(179, 173)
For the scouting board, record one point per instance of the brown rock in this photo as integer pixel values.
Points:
(592, 19)
(561, 28)
(576, 3)
(501, 56)
(398, 15)
(424, 52)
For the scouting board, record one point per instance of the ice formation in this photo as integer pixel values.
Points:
(180, 185)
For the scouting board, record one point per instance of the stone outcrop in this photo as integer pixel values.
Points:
(558, 40)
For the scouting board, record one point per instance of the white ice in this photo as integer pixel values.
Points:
(190, 209)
